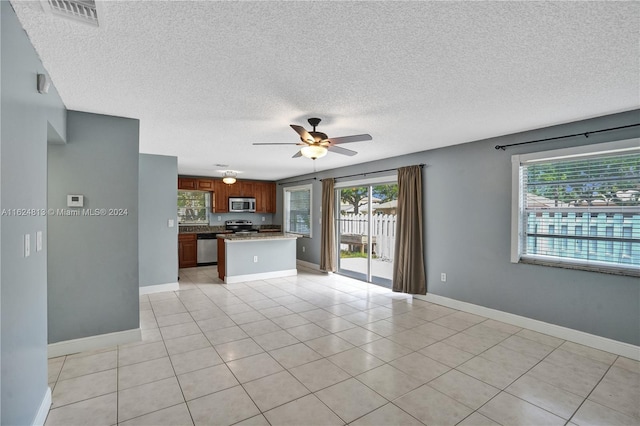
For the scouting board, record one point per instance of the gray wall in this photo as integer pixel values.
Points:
(157, 243)
(93, 260)
(467, 234)
(23, 169)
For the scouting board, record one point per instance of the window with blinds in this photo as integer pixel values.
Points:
(297, 210)
(580, 208)
(193, 207)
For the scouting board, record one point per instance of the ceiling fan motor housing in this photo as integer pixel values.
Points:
(318, 136)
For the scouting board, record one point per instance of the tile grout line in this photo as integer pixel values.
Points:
(172, 367)
(592, 390)
(171, 361)
(550, 384)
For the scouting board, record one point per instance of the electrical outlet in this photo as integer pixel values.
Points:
(219, 218)
(443, 277)
(263, 218)
(255, 259)
(170, 223)
(303, 249)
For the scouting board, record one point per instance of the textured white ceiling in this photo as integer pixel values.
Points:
(206, 79)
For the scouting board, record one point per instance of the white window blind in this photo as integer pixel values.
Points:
(297, 210)
(581, 211)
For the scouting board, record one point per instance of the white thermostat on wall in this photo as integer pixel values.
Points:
(75, 200)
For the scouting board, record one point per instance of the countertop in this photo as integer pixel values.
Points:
(259, 236)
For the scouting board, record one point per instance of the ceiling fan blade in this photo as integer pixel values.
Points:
(303, 133)
(297, 154)
(347, 139)
(275, 143)
(342, 151)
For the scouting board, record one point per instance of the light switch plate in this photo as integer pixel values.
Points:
(170, 223)
(27, 245)
(39, 241)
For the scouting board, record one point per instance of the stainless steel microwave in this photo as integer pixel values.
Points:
(240, 205)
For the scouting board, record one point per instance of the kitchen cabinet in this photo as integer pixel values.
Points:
(270, 197)
(221, 196)
(259, 191)
(187, 250)
(265, 193)
(187, 183)
(243, 188)
(221, 259)
(205, 184)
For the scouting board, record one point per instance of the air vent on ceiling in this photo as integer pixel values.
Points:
(79, 10)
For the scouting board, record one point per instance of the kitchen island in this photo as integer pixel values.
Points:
(250, 257)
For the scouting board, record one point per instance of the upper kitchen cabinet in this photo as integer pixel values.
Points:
(265, 193)
(244, 189)
(205, 184)
(221, 191)
(187, 183)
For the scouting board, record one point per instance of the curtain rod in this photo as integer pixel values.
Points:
(297, 181)
(369, 173)
(585, 134)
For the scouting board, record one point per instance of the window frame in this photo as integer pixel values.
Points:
(286, 211)
(207, 207)
(517, 207)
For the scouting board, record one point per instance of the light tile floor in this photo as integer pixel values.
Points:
(325, 349)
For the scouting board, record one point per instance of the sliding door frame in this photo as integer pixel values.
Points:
(369, 183)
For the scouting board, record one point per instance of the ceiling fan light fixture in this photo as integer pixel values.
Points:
(229, 177)
(313, 151)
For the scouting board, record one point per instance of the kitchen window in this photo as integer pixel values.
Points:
(193, 207)
(578, 208)
(297, 210)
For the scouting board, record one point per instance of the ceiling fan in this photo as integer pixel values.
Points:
(315, 144)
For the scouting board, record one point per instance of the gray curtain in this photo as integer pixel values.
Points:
(408, 267)
(328, 236)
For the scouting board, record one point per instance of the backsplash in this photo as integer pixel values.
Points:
(256, 218)
(191, 229)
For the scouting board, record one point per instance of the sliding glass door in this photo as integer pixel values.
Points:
(366, 231)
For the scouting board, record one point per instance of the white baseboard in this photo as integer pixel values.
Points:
(158, 288)
(260, 276)
(309, 265)
(43, 410)
(576, 336)
(94, 342)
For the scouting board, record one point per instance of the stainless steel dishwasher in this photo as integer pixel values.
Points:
(207, 249)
